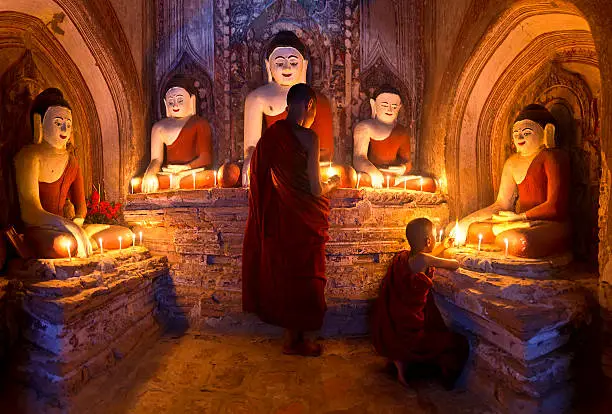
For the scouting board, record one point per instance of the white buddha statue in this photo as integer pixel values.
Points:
(381, 146)
(185, 138)
(286, 66)
(47, 175)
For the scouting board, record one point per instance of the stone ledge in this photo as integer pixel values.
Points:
(227, 197)
(495, 262)
(528, 310)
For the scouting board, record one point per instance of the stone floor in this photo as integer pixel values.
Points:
(201, 373)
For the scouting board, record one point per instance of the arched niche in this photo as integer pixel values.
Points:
(248, 70)
(380, 74)
(544, 28)
(189, 66)
(570, 99)
(90, 34)
(48, 65)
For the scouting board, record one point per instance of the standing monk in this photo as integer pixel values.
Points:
(283, 257)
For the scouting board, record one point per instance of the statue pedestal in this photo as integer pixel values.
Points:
(497, 263)
(80, 317)
(520, 329)
(201, 233)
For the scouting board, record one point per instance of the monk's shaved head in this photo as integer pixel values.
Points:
(417, 233)
(300, 94)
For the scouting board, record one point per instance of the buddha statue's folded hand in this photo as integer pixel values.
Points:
(175, 168)
(397, 169)
(150, 183)
(504, 216)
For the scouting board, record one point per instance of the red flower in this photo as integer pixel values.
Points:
(95, 197)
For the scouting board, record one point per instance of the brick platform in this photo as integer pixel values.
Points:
(80, 317)
(521, 359)
(201, 233)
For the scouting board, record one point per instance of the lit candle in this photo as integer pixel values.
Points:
(479, 241)
(101, 246)
(405, 184)
(506, 243)
(140, 235)
(215, 182)
(457, 233)
(193, 178)
(421, 183)
(68, 244)
(441, 231)
(330, 171)
(358, 179)
(171, 181)
(120, 240)
(133, 240)
(388, 182)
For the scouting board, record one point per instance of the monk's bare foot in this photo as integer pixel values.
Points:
(400, 373)
(303, 348)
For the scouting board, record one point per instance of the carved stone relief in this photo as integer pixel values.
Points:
(19, 85)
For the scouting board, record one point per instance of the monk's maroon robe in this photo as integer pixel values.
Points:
(406, 324)
(283, 256)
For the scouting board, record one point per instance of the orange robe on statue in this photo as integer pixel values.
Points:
(193, 146)
(283, 256)
(43, 241)
(407, 326)
(322, 126)
(543, 196)
(391, 151)
(70, 185)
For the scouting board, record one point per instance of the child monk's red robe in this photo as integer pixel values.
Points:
(283, 256)
(407, 326)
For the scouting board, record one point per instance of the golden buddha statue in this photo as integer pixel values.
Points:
(47, 175)
(381, 146)
(538, 225)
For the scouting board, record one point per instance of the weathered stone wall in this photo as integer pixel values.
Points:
(521, 329)
(80, 317)
(201, 233)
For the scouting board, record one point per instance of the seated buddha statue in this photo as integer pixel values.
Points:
(48, 175)
(538, 224)
(286, 66)
(186, 140)
(381, 150)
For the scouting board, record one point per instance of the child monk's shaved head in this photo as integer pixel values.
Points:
(419, 233)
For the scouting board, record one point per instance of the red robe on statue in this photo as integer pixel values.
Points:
(407, 325)
(322, 126)
(283, 256)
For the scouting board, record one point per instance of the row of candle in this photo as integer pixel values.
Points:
(68, 244)
(136, 180)
(480, 237)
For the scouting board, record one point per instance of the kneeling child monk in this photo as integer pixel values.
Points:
(407, 327)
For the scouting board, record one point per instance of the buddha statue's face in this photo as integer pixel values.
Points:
(287, 66)
(386, 107)
(528, 137)
(57, 126)
(179, 103)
